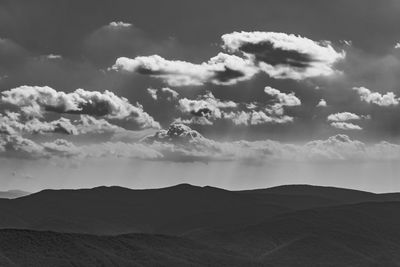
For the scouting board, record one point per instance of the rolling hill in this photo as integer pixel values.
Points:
(35, 248)
(185, 225)
(177, 210)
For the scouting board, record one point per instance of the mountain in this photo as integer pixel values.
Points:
(117, 210)
(34, 248)
(363, 234)
(13, 194)
(339, 195)
(177, 210)
(186, 225)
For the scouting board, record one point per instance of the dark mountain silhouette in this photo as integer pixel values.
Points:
(364, 234)
(13, 194)
(178, 209)
(294, 225)
(34, 248)
(326, 193)
(116, 210)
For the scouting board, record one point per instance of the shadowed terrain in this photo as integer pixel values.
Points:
(173, 210)
(33, 248)
(295, 225)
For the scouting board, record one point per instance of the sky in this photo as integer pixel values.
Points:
(239, 95)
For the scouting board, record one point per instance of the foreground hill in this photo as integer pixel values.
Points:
(364, 234)
(42, 249)
(178, 209)
(354, 235)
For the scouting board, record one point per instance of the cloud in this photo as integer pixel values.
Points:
(345, 126)
(19, 147)
(181, 143)
(205, 106)
(255, 118)
(61, 148)
(397, 46)
(283, 55)
(12, 123)
(119, 24)
(207, 109)
(366, 95)
(53, 56)
(322, 103)
(164, 93)
(343, 116)
(35, 101)
(222, 69)
(284, 99)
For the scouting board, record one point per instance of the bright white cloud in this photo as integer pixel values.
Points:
(35, 101)
(385, 100)
(119, 24)
(222, 69)
(283, 55)
(284, 99)
(205, 106)
(343, 116)
(163, 93)
(322, 103)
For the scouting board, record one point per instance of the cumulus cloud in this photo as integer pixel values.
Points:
(35, 100)
(283, 55)
(366, 95)
(207, 109)
(205, 106)
(345, 126)
(255, 118)
(12, 123)
(284, 99)
(19, 147)
(222, 69)
(322, 103)
(119, 24)
(181, 143)
(397, 46)
(343, 116)
(163, 93)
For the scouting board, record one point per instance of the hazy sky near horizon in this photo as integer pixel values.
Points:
(231, 94)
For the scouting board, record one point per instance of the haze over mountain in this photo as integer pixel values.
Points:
(13, 194)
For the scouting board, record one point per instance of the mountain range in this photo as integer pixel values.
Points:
(186, 225)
